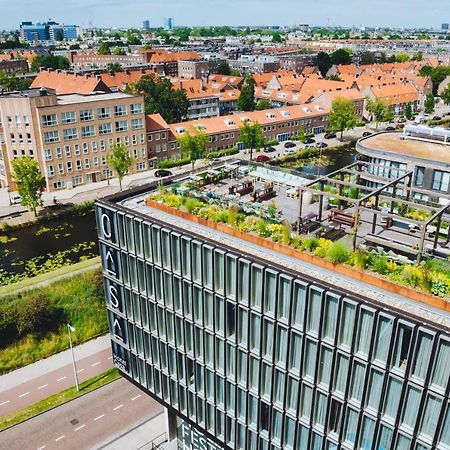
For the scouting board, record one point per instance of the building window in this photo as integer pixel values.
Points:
(411, 407)
(49, 120)
(136, 108)
(70, 134)
(140, 166)
(121, 125)
(86, 115)
(441, 180)
(137, 124)
(104, 128)
(420, 172)
(51, 136)
(50, 171)
(48, 154)
(120, 110)
(103, 113)
(402, 347)
(68, 117)
(88, 131)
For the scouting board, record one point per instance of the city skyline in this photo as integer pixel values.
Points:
(402, 14)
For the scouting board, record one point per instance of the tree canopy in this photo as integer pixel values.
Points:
(445, 95)
(342, 115)
(429, 103)
(251, 136)
(246, 100)
(263, 104)
(378, 109)
(323, 62)
(160, 97)
(341, 56)
(224, 69)
(367, 58)
(49, 62)
(30, 181)
(120, 161)
(11, 82)
(193, 145)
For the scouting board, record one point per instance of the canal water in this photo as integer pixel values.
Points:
(57, 242)
(329, 162)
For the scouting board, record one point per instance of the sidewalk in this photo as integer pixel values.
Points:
(42, 367)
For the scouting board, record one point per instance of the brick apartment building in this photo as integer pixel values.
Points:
(70, 135)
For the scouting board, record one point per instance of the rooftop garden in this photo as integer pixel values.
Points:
(431, 276)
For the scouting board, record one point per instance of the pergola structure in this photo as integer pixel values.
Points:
(396, 192)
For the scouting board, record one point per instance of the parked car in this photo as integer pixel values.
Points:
(310, 141)
(390, 128)
(367, 133)
(310, 146)
(400, 126)
(214, 160)
(289, 151)
(262, 158)
(16, 199)
(270, 149)
(401, 120)
(436, 118)
(321, 145)
(329, 135)
(160, 173)
(289, 144)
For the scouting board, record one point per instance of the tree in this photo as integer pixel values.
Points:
(401, 57)
(388, 113)
(341, 56)
(408, 111)
(301, 135)
(323, 62)
(118, 51)
(246, 100)
(11, 82)
(426, 71)
(418, 56)
(37, 315)
(251, 136)
(263, 104)
(277, 37)
(30, 182)
(235, 73)
(193, 145)
(160, 97)
(113, 68)
(367, 58)
(120, 161)
(377, 109)
(342, 115)
(49, 62)
(445, 95)
(104, 48)
(429, 103)
(224, 69)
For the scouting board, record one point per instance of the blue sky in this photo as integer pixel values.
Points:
(116, 13)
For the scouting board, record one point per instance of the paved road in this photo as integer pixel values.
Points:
(53, 382)
(86, 422)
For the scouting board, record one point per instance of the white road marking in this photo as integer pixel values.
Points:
(80, 427)
(99, 417)
(61, 437)
(42, 448)
(43, 386)
(137, 396)
(81, 370)
(62, 378)
(118, 407)
(4, 403)
(96, 364)
(23, 395)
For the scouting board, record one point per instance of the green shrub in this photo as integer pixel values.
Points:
(311, 243)
(338, 252)
(359, 259)
(380, 265)
(225, 152)
(169, 163)
(412, 276)
(263, 229)
(322, 248)
(439, 284)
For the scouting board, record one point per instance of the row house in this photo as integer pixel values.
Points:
(70, 136)
(224, 132)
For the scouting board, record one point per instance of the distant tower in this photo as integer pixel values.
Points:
(169, 23)
(146, 25)
(445, 27)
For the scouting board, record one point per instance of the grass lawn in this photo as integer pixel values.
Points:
(78, 300)
(58, 399)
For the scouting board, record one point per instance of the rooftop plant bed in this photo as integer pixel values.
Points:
(430, 277)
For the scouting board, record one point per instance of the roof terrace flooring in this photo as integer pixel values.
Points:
(350, 286)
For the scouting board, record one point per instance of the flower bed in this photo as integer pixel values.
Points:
(413, 281)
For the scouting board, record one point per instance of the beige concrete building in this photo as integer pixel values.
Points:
(70, 135)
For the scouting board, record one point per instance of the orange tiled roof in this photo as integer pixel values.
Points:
(395, 93)
(121, 79)
(174, 56)
(155, 122)
(68, 83)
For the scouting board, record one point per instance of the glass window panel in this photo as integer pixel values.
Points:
(403, 443)
(256, 286)
(299, 300)
(268, 339)
(176, 257)
(444, 438)
(392, 399)
(292, 395)
(156, 242)
(309, 365)
(207, 266)
(231, 276)
(278, 387)
(423, 353)
(367, 434)
(430, 417)
(295, 352)
(219, 271)
(281, 346)
(266, 381)
(357, 386)
(326, 357)
(196, 262)
(255, 332)
(341, 374)
(208, 309)
(242, 330)
(219, 312)
(320, 409)
(411, 407)
(375, 389)
(330, 316)
(186, 257)
(284, 297)
(243, 281)
(289, 433)
(347, 324)
(364, 332)
(302, 437)
(270, 291)
(402, 347)
(314, 306)
(165, 249)
(383, 338)
(442, 363)
(351, 427)
(277, 425)
(385, 438)
(306, 402)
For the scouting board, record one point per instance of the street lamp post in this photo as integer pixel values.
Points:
(70, 329)
(9, 195)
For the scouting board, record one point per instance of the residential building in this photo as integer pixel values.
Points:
(71, 135)
(251, 347)
(422, 150)
(255, 64)
(193, 69)
(11, 65)
(223, 132)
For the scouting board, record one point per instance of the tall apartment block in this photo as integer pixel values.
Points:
(70, 135)
(249, 348)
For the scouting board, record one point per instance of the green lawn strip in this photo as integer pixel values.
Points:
(58, 399)
(78, 300)
(31, 282)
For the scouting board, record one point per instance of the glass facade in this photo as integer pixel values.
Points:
(257, 357)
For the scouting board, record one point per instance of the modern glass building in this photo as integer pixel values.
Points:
(251, 349)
